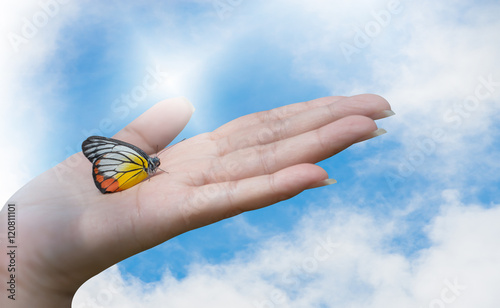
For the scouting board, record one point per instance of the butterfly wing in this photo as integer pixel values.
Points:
(117, 165)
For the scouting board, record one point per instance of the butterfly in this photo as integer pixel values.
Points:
(117, 165)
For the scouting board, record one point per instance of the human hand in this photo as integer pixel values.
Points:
(69, 231)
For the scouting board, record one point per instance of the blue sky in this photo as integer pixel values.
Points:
(412, 221)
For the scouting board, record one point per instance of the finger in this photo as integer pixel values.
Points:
(369, 105)
(310, 147)
(281, 127)
(214, 202)
(159, 125)
(273, 114)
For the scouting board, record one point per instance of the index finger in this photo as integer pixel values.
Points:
(369, 105)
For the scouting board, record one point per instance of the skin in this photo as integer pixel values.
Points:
(69, 231)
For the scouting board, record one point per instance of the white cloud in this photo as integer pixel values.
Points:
(431, 60)
(29, 32)
(437, 63)
(334, 258)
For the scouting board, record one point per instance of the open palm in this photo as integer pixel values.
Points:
(69, 231)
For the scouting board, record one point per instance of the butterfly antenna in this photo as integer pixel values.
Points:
(167, 148)
(170, 146)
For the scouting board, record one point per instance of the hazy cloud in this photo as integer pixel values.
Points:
(334, 258)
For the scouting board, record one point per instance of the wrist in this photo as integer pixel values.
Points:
(20, 285)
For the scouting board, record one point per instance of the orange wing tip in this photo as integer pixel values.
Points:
(110, 185)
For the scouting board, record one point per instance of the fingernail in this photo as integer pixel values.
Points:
(188, 102)
(377, 133)
(323, 183)
(386, 114)
(373, 134)
(192, 107)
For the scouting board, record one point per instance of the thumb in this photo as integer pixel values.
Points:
(159, 125)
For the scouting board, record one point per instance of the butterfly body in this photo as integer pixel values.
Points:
(117, 165)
